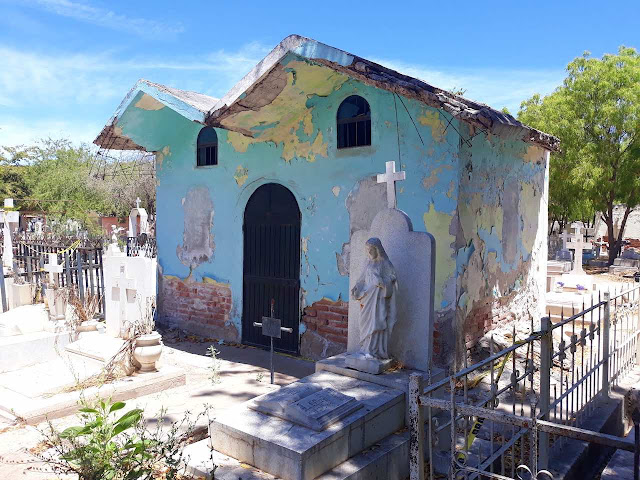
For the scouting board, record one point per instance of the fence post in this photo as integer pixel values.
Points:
(27, 259)
(416, 427)
(605, 344)
(79, 272)
(3, 292)
(546, 350)
(67, 267)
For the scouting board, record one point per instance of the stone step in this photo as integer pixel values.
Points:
(294, 452)
(386, 460)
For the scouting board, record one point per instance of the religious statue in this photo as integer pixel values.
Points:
(376, 292)
(115, 230)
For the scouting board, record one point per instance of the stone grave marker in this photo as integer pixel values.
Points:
(577, 244)
(413, 257)
(53, 268)
(306, 404)
(126, 294)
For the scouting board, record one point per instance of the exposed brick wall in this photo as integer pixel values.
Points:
(200, 307)
(326, 325)
(485, 317)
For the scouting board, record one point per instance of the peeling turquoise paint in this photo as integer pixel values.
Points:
(442, 174)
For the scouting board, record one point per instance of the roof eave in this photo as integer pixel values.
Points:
(476, 114)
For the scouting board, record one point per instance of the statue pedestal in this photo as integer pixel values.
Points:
(372, 365)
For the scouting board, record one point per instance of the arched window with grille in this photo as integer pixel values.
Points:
(354, 122)
(207, 152)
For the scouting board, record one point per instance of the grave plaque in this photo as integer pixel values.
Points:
(308, 405)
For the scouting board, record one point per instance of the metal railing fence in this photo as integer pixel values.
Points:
(500, 416)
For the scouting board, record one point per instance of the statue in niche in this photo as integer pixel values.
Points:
(376, 292)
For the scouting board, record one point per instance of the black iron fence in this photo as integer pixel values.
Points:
(142, 246)
(81, 265)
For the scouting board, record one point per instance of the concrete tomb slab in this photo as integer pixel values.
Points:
(306, 404)
(96, 345)
(294, 452)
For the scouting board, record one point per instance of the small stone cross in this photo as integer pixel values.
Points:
(53, 268)
(565, 238)
(122, 283)
(578, 245)
(390, 177)
(138, 202)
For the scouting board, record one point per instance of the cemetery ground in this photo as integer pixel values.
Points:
(240, 373)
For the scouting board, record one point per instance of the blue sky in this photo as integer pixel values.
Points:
(65, 65)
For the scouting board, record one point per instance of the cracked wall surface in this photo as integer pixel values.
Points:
(482, 201)
(501, 244)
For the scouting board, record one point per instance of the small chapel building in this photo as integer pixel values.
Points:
(258, 194)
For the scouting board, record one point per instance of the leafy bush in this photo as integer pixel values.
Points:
(109, 445)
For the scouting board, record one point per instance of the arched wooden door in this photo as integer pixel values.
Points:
(271, 265)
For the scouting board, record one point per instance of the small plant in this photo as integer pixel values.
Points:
(113, 446)
(259, 376)
(214, 368)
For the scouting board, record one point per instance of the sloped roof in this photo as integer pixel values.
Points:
(192, 105)
(261, 84)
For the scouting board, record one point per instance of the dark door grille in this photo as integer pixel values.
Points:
(271, 265)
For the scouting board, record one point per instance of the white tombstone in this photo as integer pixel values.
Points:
(577, 244)
(38, 227)
(126, 294)
(412, 255)
(10, 220)
(133, 220)
(121, 315)
(53, 268)
(7, 246)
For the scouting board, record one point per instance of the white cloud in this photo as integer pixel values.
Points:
(497, 87)
(85, 88)
(107, 18)
(34, 78)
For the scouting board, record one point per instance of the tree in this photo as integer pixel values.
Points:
(596, 115)
(58, 179)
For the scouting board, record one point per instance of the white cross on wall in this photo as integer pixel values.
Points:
(390, 177)
(53, 267)
(122, 283)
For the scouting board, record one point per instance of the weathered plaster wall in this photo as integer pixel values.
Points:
(501, 242)
(483, 246)
(294, 143)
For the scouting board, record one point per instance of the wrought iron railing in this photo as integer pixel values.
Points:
(499, 416)
(142, 246)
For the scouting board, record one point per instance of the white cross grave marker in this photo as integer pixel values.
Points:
(52, 268)
(578, 244)
(122, 283)
(138, 202)
(390, 177)
(565, 238)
